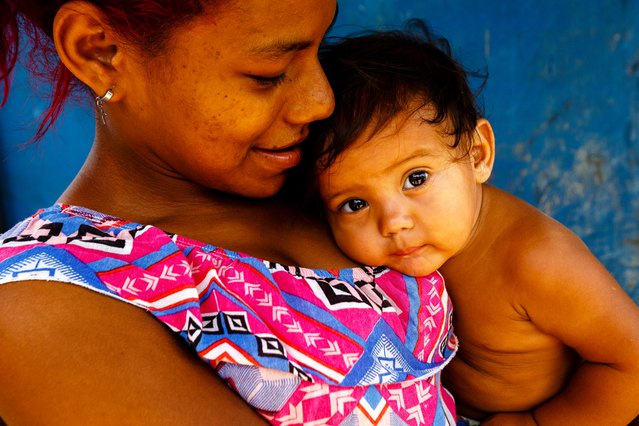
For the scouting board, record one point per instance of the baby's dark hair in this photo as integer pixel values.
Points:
(377, 75)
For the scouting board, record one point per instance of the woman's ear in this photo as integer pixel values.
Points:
(87, 46)
(482, 153)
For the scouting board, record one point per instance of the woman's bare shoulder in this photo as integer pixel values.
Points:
(71, 355)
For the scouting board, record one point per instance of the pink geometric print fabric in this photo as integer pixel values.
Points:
(302, 346)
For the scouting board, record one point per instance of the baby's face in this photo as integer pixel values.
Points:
(400, 199)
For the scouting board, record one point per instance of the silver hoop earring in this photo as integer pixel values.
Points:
(101, 100)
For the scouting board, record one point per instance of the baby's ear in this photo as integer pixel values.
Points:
(482, 153)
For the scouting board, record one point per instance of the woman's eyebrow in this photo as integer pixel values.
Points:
(280, 48)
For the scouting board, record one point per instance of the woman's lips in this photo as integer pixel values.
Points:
(285, 158)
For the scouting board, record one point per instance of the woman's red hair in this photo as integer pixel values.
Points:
(145, 23)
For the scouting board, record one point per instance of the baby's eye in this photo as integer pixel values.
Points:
(415, 179)
(353, 205)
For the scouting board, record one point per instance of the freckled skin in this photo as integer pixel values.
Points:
(185, 140)
(201, 116)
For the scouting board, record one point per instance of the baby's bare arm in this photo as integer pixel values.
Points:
(569, 294)
(72, 356)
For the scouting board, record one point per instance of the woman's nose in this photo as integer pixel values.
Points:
(313, 100)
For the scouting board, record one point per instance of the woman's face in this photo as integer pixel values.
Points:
(229, 103)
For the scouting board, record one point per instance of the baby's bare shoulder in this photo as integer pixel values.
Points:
(558, 281)
(530, 241)
(538, 260)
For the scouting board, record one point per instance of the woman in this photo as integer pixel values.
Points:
(201, 107)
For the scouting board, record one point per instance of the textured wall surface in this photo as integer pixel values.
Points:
(562, 95)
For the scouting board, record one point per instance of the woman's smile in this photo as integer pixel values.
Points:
(284, 158)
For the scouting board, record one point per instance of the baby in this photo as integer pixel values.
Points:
(547, 336)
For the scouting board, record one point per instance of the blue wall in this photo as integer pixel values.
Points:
(563, 98)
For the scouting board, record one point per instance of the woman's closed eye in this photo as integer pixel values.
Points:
(353, 205)
(415, 179)
(269, 81)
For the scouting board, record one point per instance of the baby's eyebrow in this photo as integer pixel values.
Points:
(419, 153)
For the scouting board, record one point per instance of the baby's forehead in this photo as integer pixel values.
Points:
(412, 125)
(417, 112)
(397, 143)
(416, 129)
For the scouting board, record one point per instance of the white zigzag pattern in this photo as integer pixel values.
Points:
(279, 312)
(332, 349)
(202, 256)
(196, 268)
(250, 288)
(416, 414)
(315, 391)
(168, 274)
(295, 416)
(267, 300)
(222, 269)
(421, 353)
(350, 359)
(151, 281)
(235, 276)
(429, 323)
(311, 338)
(339, 400)
(423, 393)
(397, 396)
(294, 327)
(187, 267)
(433, 308)
(129, 286)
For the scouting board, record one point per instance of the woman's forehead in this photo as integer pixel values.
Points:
(264, 28)
(258, 15)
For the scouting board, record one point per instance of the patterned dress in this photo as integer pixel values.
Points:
(302, 346)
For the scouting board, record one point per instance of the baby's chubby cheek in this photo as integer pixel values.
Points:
(361, 249)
